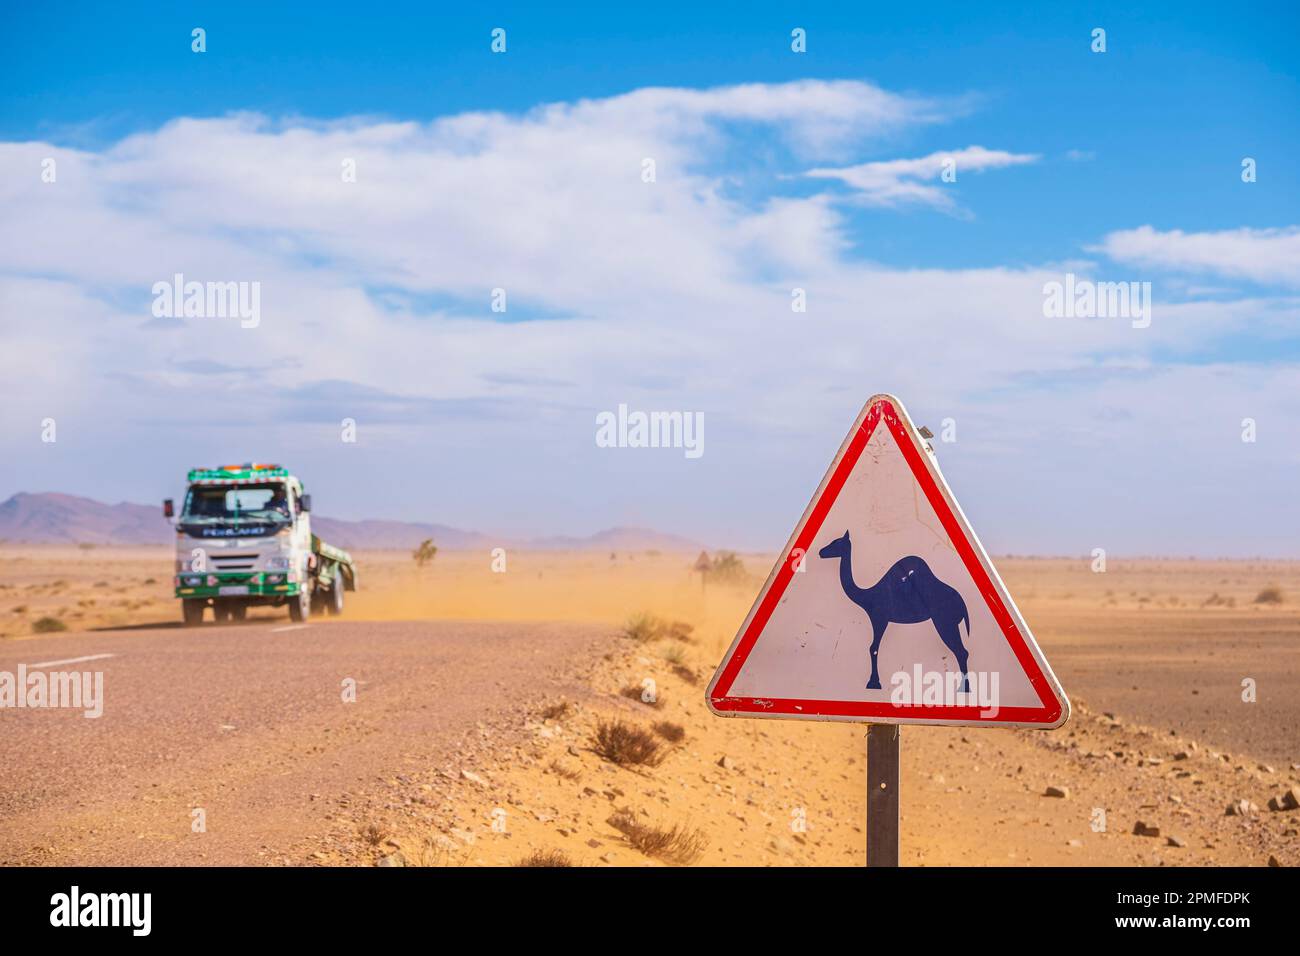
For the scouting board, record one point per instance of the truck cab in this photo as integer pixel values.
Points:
(243, 538)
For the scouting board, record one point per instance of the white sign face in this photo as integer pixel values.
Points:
(884, 608)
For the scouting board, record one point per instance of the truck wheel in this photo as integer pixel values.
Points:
(221, 612)
(300, 606)
(335, 604)
(192, 613)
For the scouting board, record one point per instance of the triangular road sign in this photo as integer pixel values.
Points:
(883, 556)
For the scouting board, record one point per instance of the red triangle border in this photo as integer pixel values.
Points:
(1049, 714)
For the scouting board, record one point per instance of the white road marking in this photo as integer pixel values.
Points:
(291, 627)
(72, 660)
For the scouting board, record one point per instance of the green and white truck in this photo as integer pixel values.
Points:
(243, 538)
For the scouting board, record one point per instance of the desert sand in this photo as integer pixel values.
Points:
(1152, 652)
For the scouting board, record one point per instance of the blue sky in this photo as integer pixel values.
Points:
(1085, 151)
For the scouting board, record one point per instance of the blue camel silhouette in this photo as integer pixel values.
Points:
(908, 593)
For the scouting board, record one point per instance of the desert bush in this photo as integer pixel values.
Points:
(624, 744)
(726, 568)
(642, 627)
(545, 858)
(48, 625)
(373, 834)
(557, 710)
(636, 692)
(673, 733)
(566, 773)
(424, 553)
(679, 845)
(1269, 595)
(674, 654)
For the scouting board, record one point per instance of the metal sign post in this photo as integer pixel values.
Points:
(882, 794)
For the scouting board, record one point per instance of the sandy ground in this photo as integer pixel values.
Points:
(1153, 654)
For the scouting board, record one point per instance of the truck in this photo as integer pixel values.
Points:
(243, 539)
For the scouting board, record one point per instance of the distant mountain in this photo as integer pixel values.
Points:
(51, 518)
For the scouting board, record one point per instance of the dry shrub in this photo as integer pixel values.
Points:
(674, 654)
(673, 733)
(1214, 600)
(642, 627)
(1269, 595)
(680, 845)
(556, 711)
(567, 773)
(546, 858)
(635, 692)
(436, 851)
(373, 834)
(645, 627)
(48, 625)
(626, 745)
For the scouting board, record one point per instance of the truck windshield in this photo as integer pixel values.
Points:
(210, 503)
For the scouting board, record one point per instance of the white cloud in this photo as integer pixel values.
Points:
(671, 295)
(1260, 255)
(898, 182)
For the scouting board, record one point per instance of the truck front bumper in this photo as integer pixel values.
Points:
(228, 584)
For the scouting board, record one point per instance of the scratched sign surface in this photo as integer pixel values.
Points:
(883, 606)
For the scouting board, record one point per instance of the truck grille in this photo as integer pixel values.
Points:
(233, 562)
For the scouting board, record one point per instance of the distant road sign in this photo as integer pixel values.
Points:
(883, 606)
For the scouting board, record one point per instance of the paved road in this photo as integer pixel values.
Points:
(248, 722)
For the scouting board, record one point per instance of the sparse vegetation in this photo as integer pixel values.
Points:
(563, 772)
(680, 845)
(626, 745)
(424, 553)
(645, 627)
(1269, 595)
(725, 568)
(1214, 600)
(557, 711)
(48, 625)
(642, 627)
(673, 733)
(637, 692)
(546, 858)
(674, 654)
(373, 834)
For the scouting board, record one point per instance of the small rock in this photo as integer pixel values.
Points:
(1063, 792)
(574, 751)
(726, 763)
(1176, 841)
(1273, 861)
(393, 859)
(1145, 829)
(473, 778)
(1074, 843)
(1240, 808)
(1291, 799)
